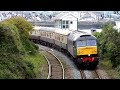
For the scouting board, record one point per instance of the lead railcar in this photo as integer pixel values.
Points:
(83, 47)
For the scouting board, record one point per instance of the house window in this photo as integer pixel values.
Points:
(65, 24)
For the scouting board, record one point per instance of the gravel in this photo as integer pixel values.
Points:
(103, 74)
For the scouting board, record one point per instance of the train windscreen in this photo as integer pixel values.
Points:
(83, 43)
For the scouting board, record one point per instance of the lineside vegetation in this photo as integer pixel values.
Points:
(19, 57)
(109, 49)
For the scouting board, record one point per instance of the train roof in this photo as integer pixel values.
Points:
(53, 29)
(36, 28)
(77, 34)
(44, 28)
(62, 31)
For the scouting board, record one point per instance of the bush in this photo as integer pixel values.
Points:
(10, 40)
(24, 28)
(109, 44)
(19, 57)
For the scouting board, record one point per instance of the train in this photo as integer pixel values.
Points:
(79, 45)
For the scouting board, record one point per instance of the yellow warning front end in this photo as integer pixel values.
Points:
(88, 50)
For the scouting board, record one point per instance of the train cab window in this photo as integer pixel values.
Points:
(71, 22)
(91, 42)
(81, 43)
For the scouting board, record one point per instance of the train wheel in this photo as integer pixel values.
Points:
(77, 64)
(93, 65)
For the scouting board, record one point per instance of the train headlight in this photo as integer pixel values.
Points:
(88, 54)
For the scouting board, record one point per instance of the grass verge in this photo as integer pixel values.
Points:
(113, 73)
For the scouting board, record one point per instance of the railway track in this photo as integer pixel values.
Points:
(56, 69)
(51, 75)
(94, 73)
(82, 74)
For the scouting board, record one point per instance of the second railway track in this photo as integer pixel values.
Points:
(56, 69)
(94, 73)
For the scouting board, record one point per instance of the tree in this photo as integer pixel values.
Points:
(109, 44)
(22, 24)
(24, 27)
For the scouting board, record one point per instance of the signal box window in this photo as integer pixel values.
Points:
(65, 24)
(71, 22)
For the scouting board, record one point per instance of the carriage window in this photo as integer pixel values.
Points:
(57, 37)
(44, 34)
(62, 38)
(35, 32)
(47, 34)
(91, 42)
(50, 35)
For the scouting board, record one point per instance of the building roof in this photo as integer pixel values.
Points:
(62, 15)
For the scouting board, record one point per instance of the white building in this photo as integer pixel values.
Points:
(66, 21)
(117, 25)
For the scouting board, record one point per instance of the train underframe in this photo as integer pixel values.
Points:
(87, 61)
(81, 62)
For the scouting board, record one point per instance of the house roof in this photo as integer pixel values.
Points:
(62, 15)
